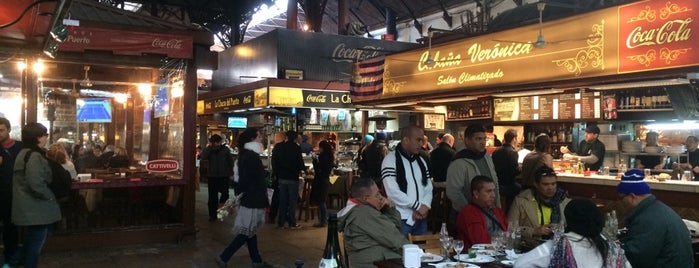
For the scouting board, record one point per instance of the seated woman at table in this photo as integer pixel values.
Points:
(536, 209)
(322, 166)
(371, 226)
(582, 244)
(480, 220)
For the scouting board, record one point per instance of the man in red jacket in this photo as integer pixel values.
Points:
(480, 219)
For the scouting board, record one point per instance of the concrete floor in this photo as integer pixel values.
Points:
(277, 246)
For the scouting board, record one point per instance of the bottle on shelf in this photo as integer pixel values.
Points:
(332, 256)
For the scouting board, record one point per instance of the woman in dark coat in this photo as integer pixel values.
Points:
(251, 214)
(323, 166)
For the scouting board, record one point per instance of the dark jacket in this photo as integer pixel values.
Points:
(505, 162)
(373, 157)
(9, 154)
(322, 166)
(440, 158)
(657, 237)
(220, 161)
(252, 180)
(287, 161)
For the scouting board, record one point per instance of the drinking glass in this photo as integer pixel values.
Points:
(646, 173)
(458, 247)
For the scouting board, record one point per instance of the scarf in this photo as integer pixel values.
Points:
(556, 200)
(400, 169)
(562, 256)
(466, 153)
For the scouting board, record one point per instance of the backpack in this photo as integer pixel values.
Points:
(60, 178)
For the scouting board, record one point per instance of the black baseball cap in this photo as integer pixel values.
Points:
(592, 129)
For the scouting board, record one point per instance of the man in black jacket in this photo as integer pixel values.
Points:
(8, 153)
(506, 166)
(372, 157)
(287, 162)
(440, 158)
(219, 164)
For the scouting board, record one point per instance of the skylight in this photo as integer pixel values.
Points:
(266, 12)
(131, 6)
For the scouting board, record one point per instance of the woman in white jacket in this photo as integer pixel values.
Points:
(582, 244)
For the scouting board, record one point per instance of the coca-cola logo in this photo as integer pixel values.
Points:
(167, 43)
(316, 98)
(341, 53)
(162, 165)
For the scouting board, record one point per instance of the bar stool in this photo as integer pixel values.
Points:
(305, 206)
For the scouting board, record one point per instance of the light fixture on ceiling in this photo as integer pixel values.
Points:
(51, 48)
(75, 93)
(653, 83)
(86, 81)
(430, 60)
(59, 32)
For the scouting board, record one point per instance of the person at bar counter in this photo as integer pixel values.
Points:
(251, 213)
(8, 155)
(590, 151)
(538, 209)
(34, 206)
(650, 161)
(406, 179)
(582, 244)
(359, 159)
(480, 220)
(218, 170)
(371, 225)
(287, 163)
(657, 236)
(322, 166)
(693, 162)
(373, 157)
(467, 164)
(506, 166)
(541, 156)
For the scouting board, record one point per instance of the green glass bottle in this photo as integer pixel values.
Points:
(332, 255)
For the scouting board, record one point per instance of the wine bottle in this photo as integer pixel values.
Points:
(332, 256)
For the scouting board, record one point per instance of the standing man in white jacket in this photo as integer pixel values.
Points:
(406, 179)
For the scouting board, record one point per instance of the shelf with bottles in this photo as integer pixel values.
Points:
(653, 99)
(469, 110)
(560, 133)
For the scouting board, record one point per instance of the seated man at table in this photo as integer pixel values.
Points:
(371, 226)
(536, 209)
(657, 236)
(480, 219)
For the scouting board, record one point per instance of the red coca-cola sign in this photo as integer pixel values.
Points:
(127, 42)
(658, 35)
(162, 165)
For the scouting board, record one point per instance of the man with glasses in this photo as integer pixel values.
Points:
(657, 236)
(371, 225)
(539, 210)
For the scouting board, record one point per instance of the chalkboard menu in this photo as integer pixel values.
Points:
(568, 106)
(477, 109)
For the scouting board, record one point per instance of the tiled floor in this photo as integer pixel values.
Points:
(279, 247)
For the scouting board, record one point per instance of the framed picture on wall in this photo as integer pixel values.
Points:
(434, 121)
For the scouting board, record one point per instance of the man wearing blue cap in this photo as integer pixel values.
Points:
(657, 236)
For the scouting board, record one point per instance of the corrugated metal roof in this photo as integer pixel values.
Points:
(87, 10)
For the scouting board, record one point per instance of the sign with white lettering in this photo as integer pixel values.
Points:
(330, 99)
(229, 103)
(127, 42)
(162, 165)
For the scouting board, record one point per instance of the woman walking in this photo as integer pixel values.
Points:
(34, 206)
(251, 214)
(323, 166)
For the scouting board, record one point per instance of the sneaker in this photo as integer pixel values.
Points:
(295, 226)
(220, 262)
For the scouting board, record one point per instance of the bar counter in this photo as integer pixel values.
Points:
(680, 195)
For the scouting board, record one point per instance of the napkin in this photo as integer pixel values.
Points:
(511, 255)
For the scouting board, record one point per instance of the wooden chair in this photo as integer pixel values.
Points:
(341, 238)
(429, 243)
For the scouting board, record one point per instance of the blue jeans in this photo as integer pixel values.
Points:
(288, 198)
(238, 242)
(418, 228)
(34, 239)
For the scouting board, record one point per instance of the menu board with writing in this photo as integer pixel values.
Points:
(546, 107)
(526, 109)
(506, 109)
(566, 106)
(590, 103)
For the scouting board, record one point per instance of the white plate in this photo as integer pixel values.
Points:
(508, 262)
(477, 259)
(452, 264)
(483, 246)
(429, 257)
(487, 252)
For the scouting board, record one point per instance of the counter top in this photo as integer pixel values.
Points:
(668, 185)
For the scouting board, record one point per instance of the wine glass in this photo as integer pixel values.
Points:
(458, 247)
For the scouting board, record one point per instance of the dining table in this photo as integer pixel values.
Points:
(398, 263)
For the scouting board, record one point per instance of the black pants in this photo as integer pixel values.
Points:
(9, 231)
(217, 185)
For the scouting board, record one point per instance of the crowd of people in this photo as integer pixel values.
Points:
(29, 207)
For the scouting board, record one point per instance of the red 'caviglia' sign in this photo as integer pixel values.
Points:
(657, 35)
(162, 165)
(127, 42)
